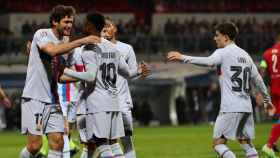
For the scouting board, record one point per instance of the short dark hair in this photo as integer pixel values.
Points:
(229, 29)
(61, 11)
(96, 19)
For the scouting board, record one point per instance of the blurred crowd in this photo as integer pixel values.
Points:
(189, 35)
(254, 36)
(149, 5)
(216, 6)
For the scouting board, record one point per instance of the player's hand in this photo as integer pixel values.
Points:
(28, 47)
(259, 99)
(91, 39)
(270, 109)
(66, 69)
(6, 102)
(144, 69)
(174, 56)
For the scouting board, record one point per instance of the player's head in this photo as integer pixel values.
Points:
(109, 29)
(225, 33)
(94, 23)
(62, 19)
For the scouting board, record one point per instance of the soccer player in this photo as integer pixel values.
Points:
(40, 110)
(102, 64)
(238, 70)
(270, 66)
(81, 107)
(125, 101)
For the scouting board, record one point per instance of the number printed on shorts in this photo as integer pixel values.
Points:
(108, 75)
(241, 78)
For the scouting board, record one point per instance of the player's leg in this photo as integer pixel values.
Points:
(117, 131)
(116, 149)
(221, 148)
(275, 130)
(127, 140)
(98, 133)
(224, 129)
(245, 133)
(54, 129)
(81, 127)
(31, 113)
(248, 147)
(71, 116)
(34, 143)
(65, 108)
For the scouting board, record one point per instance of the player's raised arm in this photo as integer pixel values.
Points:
(58, 49)
(213, 60)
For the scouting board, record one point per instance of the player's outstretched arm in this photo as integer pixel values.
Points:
(88, 76)
(214, 59)
(63, 48)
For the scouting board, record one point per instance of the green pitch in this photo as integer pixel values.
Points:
(157, 142)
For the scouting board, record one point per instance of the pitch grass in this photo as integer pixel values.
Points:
(156, 142)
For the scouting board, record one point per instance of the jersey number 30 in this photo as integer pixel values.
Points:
(109, 75)
(241, 76)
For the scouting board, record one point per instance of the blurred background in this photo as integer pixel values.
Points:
(174, 93)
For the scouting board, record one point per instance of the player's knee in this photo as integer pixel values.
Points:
(34, 146)
(244, 141)
(218, 142)
(113, 141)
(91, 146)
(56, 141)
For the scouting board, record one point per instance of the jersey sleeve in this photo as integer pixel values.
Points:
(131, 60)
(213, 60)
(125, 70)
(41, 38)
(259, 84)
(91, 66)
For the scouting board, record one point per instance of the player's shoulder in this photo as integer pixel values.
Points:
(42, 32)
(90, 50)
(108, 46)
(122, 44)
